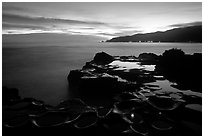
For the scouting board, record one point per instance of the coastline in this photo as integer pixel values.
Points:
(126, 108)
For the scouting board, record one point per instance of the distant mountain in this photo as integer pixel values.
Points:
(186, 34)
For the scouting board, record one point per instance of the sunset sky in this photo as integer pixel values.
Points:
(98, 19)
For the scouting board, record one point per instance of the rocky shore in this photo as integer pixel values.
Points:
(135, 104)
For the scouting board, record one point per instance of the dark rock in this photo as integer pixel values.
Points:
(54, 118)
(129, 132)
(91, 84)
(94, 67)
(151, 85)
(162, 125)
(173, 54)
(103, 58)
(192, 129)
(19, 106)
(25, 107)
(192, 113)
(148, 58)
(17, 121)
(127, 106)
(163, 103)
(76, 104)
(125, 96)
(10, 96)
(86, 120)
(103, 111)
(74, 77)
(133, 117)
(114, 124)
(141, 129)
(185, 70)
(135, 108)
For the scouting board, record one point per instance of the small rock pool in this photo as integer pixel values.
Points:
(163, 85)
(125, 65)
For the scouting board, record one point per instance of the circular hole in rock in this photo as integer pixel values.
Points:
(127, 106)
(140, 129)
(86, 120)
(17, 121)
(114, 123)
(161, 125)
(163, 103)
(133, 118)
(52, 118)
(103, 111)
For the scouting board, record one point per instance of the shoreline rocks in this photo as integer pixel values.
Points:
(132, 107)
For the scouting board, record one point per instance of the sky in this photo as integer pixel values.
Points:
(104, 19)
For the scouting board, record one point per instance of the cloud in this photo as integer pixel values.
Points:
(87, 28)
(12, 18)
(128, 32)
(22, 26)
(13, 24)
(8, 8)
(185, 24)
(106, 34)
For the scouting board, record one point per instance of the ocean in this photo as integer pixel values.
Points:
(41, 71)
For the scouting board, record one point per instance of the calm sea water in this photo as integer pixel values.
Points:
(41, 71)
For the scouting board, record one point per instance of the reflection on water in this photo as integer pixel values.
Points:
(131, 65)
(165, 86)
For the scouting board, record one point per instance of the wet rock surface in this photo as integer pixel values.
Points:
(137, 107)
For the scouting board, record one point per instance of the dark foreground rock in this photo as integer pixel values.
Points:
(133, 106)
(103, 58)
(183, 69)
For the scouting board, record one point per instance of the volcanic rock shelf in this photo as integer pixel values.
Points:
(138, 107)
